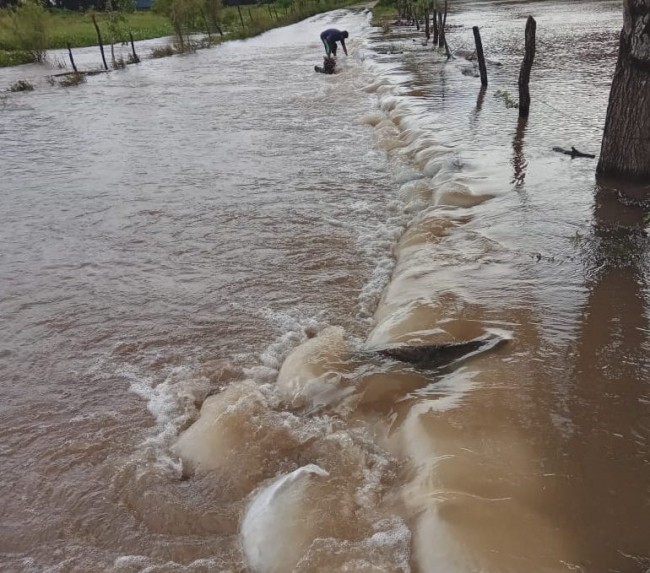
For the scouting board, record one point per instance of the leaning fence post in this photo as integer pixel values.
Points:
(71, 58)
(135, 56)
(479, 55)
(101, 45)
(241, 17)
(526, 65)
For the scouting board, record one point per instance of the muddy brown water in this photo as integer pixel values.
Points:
(198, 253)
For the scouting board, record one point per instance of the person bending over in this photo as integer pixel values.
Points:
(330, 37)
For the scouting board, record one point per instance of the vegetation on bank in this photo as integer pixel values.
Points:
(29, 29)
(384, 12)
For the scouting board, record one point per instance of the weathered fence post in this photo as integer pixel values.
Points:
(442, 22)
(479, 55)
(101, 45)
(71, 58)
(241, 18)
(526, 65)
(270, 13)
(435, 27)
(427, 30)
(250, 15)
(136, 60)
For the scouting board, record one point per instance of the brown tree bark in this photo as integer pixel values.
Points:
(625, 150)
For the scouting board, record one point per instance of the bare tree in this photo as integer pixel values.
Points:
(625, 150)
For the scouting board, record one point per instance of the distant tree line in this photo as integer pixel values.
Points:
(76, 5)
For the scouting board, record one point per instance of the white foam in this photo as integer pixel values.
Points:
(172, 405)
(271, 539)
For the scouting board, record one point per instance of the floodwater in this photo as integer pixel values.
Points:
(200, 255)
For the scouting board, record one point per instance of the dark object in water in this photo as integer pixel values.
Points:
(329, 65)
(435, 355)
(573, 153)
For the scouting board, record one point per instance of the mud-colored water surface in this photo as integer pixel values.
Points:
(203, 256)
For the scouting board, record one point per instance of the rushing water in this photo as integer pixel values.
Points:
(198, 254)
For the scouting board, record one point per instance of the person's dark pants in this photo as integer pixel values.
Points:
(330, 47)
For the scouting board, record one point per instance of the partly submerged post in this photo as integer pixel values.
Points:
(479, 55)
(101, 45)
(527, 64)
(427, 30)
(435, 27)
(136, 60)
(71, 58)
(442, 23)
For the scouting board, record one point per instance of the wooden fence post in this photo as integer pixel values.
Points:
(427, 30)
(479, 55)
(101, 45)
(435, 27)
(526, 65)
(71, 58)
(241, 18)
(442, 22)
(136, 60)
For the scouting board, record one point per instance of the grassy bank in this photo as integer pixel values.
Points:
(383, 12)
(76, 29)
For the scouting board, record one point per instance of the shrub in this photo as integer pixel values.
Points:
(21, 86)
(162, 52)
(73, 79)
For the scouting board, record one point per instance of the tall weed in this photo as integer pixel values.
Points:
(26, 28)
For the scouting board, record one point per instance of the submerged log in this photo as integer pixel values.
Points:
(573, 152)
(436, 355)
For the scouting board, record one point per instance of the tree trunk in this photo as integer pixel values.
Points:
(625, 150)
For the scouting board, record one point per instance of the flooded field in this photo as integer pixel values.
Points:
(213, 270)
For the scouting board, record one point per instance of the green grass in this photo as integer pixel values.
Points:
(14, 58)
(384, 11)
(78, 29)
